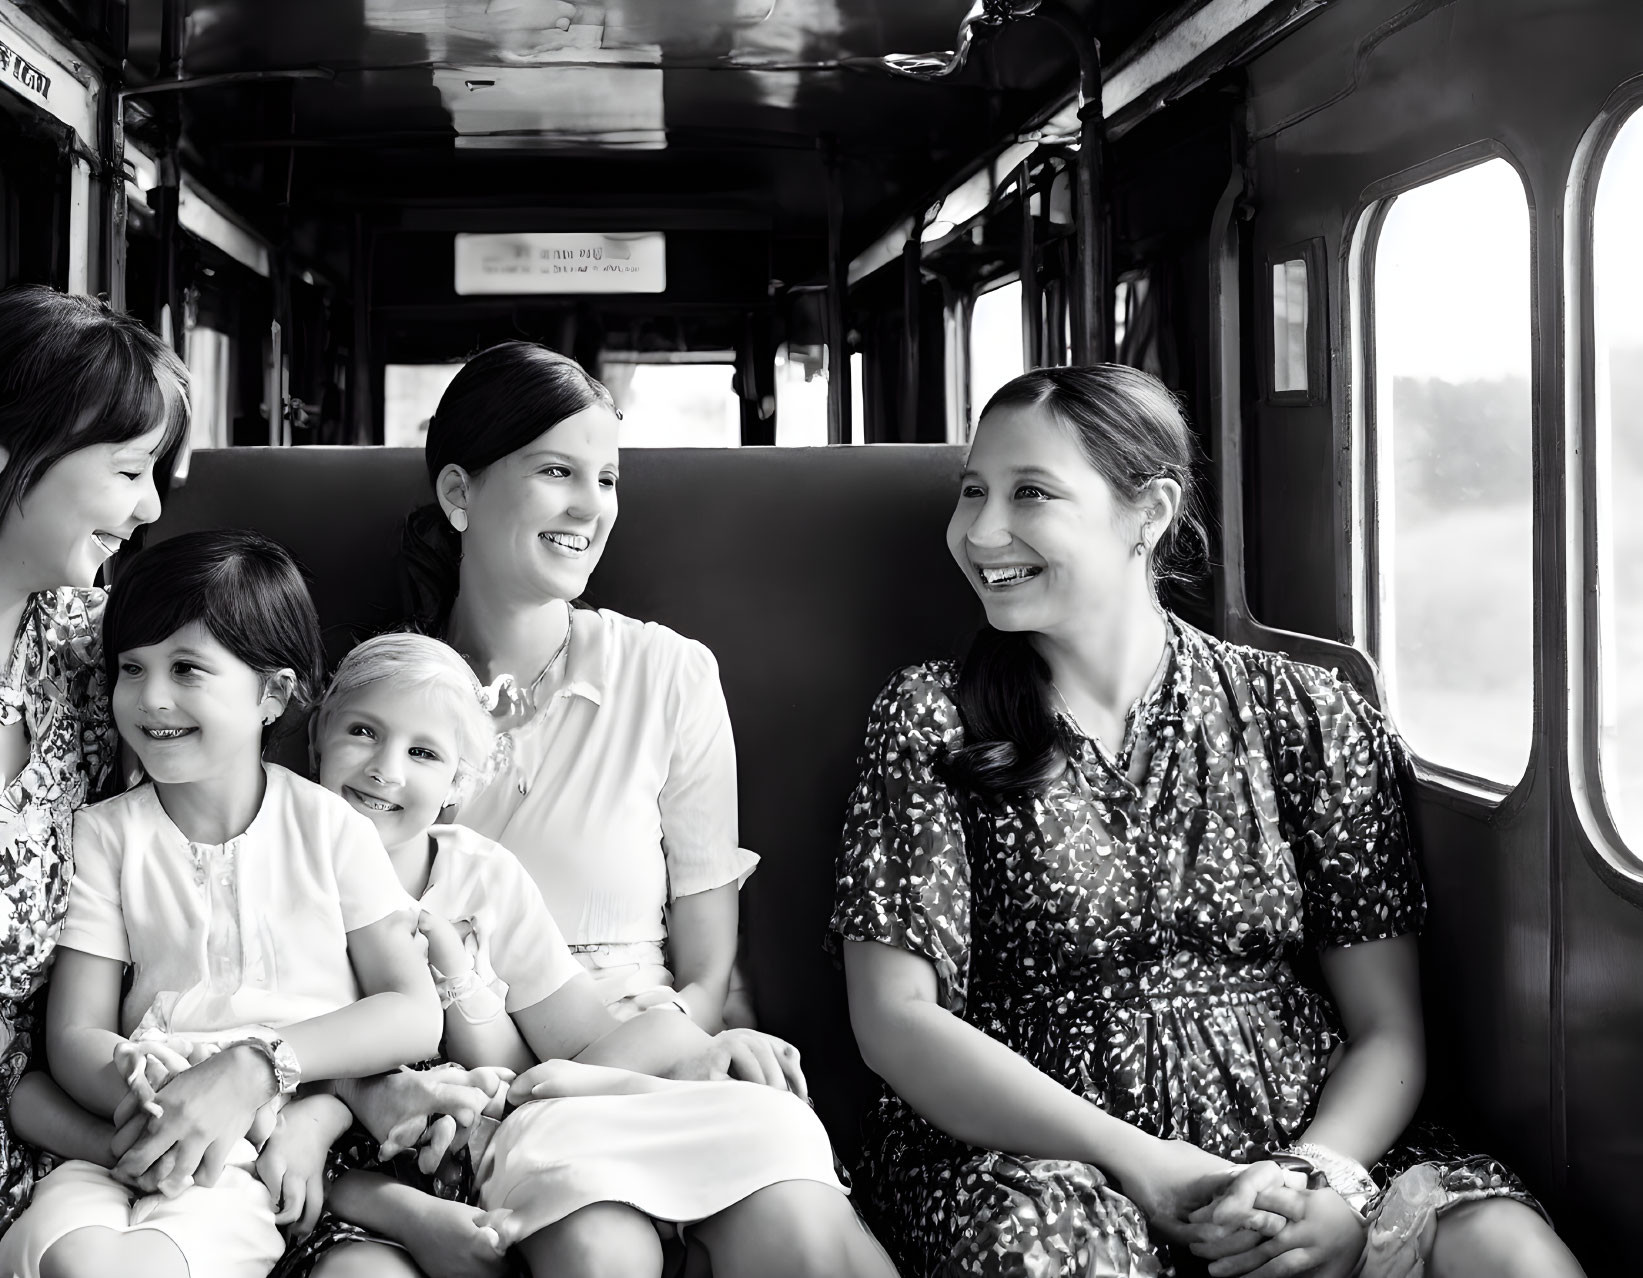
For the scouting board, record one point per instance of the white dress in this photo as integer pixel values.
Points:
(678, 1151)
(619, 797)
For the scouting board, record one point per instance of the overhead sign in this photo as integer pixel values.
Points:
(562, 262)
(14, 66)
(41, 77)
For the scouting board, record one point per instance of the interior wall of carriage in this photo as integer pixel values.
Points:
(1408, 414)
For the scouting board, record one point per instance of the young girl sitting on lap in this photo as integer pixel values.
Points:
(264, 926)
(578, 1181)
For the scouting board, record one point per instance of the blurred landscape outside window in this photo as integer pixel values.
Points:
(1453, 492)
(1617, 274)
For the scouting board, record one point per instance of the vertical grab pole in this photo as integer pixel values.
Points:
(1091, 313)
(111, 147)
(1031, 336)
(838, 287)
(912, 290)
(173, 32)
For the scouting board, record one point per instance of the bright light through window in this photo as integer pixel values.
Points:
(1617, 272)
(675, 405)
(801, 400)
(410, 395)
(995, 344)
(1454, 487)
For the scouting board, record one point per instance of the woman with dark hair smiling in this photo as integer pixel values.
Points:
(614, 784)
(92, 406)
(1082, 876)
(618, 785)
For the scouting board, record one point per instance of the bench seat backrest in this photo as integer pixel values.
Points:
(812, 574)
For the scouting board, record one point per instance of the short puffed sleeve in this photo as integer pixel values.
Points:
(903, 871)
(368, 889)
(1340, 800)
(527, 950)
(95, 923)
(698, 800)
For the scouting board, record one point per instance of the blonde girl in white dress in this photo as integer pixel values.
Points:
(595, 1164)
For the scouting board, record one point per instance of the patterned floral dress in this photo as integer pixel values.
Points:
(55, 684)
(1143, 944)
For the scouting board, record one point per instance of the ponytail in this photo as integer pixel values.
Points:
(430, 562)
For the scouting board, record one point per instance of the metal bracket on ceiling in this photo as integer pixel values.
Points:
(984, 16)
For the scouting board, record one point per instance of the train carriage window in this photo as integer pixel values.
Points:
(801, 396)
(1617, 277)
(410, 395)
(1289, 319)
(995, 343)
(675, 404)
(1453, 501)
(210, 365)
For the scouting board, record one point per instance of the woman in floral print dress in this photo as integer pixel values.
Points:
(1084, 879)
(91, 405)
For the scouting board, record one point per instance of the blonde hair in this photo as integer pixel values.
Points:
(413, 662)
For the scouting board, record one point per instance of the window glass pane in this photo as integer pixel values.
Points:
(1453, 489)
(801, 396)
(1617, 274)
(858, 399)
(410, 395)
(1289, 325)
(995, 343)
(675, 405)
(208, 384)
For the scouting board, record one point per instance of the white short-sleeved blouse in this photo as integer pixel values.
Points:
(620, 794)
(250, 932)
(480, 888)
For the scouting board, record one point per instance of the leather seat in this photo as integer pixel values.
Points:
(812, 574)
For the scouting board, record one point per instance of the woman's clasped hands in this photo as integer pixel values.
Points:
(1263, 1221)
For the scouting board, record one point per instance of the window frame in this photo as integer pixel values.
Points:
(1485, 796)
(1311, 252)
(1620, 864)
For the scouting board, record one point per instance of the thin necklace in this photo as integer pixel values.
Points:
(527, 697)
(1152, 686)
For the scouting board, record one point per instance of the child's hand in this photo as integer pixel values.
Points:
(446, 951)
(398, 1108)
(292, 1162)
(456, 1240)
(204, 1110)
(147, 1065)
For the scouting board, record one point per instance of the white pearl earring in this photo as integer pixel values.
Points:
(459, 520)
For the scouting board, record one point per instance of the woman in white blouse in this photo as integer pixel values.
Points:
(616, 782)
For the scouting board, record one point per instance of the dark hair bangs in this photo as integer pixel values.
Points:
(76, 373)
(124, 397)
(244, 588)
